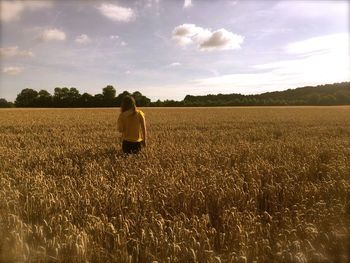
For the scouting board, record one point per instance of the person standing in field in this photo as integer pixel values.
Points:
(132, 125)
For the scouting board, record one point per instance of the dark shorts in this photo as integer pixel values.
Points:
(131, 147)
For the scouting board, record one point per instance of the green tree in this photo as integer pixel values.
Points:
(108, 93)
(26, 98)
(66, 97)
(44, 99)
(73, 97)
(60, 97)
(5, 104)
(342, 96)
(86, 100)
(98, 100)
(118, 100)
(141, 100)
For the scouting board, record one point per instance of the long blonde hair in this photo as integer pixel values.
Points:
(128, 103)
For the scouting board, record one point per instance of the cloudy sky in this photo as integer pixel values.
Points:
(169, 48)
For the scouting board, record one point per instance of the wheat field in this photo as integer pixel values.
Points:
(214, 185)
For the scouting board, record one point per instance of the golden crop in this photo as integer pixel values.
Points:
(214, 185)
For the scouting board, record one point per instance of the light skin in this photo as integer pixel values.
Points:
(144, 131)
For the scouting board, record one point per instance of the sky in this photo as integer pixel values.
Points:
(169, 48)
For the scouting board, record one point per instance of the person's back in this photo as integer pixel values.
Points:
(132, 125)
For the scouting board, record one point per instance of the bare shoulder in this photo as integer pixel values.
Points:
(141, 113)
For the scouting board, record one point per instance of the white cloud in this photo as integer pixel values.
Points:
(187, 3)
(233, 2)
(222, 39)
(82, 39)
(123, 44)
(205, 39)
(319, 60)
(117, 13)
(53, 35)
(12, 70)
(14, 51)
(12, 10)
(174, 64)
(187, 34)
(320, 44)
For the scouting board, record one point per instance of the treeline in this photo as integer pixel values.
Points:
(70, 98)
(329, 94)
(5, 104)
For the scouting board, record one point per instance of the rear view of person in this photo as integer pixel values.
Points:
(132, 125)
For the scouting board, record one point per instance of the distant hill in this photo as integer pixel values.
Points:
(329, 94)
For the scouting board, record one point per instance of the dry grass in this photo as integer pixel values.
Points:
(215, 185)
